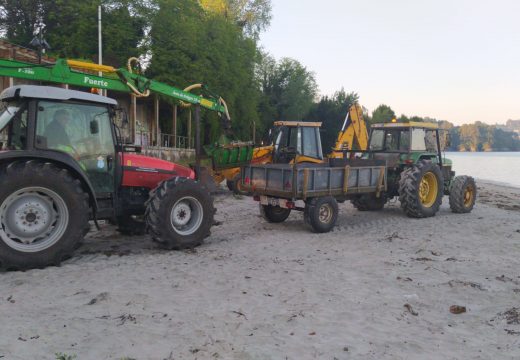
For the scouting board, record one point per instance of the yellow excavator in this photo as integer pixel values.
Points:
(300, 142)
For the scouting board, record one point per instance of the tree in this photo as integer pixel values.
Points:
(383, 113)
(252, 16)
(288, 89)
(20, 20)
(331, 111)
(71, 26)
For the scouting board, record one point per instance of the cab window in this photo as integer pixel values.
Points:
(13, 122)
(84, 132)
(310, 143)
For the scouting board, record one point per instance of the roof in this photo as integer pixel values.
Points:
(54, 93)
(414, 124)
(297, 123)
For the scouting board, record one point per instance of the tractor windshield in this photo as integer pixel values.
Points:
(397, 140)
(7, 111)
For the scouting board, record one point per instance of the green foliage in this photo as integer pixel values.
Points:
(288, 89)
(383, 113)
(331, 111)
(253, 16)
(70, 27)
(20, 20)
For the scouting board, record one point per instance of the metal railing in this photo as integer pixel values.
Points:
(144, 138)
(175, 141)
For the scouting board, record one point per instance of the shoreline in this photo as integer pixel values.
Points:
(497, 183)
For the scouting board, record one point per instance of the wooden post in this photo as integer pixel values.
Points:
(174, 131)
(157, 133)
(198, 150)
(189, 129)
(133, 118)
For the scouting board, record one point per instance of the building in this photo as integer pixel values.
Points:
(146, 115)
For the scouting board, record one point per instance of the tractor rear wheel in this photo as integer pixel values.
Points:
(421, 189)
(321, 213)
(274, 214)
(463, 194)
(44, 214)
(369, 202)
(179, 213)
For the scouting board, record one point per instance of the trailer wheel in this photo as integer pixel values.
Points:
(179, 213)
(274, 214)
(44, 214)
(321, 213)
(369, 202)
(463, 194)
(421, 189)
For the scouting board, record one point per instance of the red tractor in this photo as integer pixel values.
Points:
(63, 164)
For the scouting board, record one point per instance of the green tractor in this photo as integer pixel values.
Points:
(417, 172)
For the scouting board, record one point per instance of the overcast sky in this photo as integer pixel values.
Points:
(455, 60)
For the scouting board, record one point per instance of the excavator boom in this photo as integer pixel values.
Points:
(353, 135)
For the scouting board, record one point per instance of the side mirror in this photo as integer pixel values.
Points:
(94, 127)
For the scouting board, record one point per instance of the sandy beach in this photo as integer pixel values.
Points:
(379, 286)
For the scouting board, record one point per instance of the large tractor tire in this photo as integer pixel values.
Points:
(321, 214)
(463, 194)
(274, 214)
(369, 202)
(179, 213)
(44, 214)
(421, 188)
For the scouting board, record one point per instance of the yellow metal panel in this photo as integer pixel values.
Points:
(90, 66)
(206, 102)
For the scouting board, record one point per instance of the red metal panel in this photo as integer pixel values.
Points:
(144, 171)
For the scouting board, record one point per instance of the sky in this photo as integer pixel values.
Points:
(455, 60)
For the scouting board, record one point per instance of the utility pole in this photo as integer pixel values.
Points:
(100, 46)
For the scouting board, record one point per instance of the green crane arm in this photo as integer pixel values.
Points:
(125, 81)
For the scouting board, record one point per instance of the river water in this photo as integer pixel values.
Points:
(499, 167)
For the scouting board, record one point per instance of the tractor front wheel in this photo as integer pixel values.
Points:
(421, 189)
(179, 213)
(463, 194)
(44, 214)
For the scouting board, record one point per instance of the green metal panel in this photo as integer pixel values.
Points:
(230, 156)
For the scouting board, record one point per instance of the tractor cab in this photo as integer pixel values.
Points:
(404, 142)
(60, 121)
(296, 140)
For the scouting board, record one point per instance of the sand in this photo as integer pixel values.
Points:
(380, 286)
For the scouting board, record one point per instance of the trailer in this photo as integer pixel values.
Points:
(312, 188)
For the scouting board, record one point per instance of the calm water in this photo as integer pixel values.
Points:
(501, 167)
